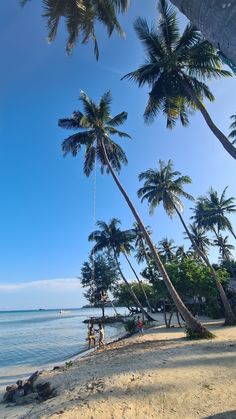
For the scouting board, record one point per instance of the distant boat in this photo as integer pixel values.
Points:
(64, 311)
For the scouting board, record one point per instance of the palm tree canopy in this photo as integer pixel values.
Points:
(167, 249)
(112, 238)
(212, 209)
(164, 185)
(96, 126)
(199, 236)
(172, 61)
(142, 251)
(224, 247)
(81, 17)
(232, 127)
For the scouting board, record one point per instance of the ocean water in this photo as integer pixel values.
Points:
(31, 340)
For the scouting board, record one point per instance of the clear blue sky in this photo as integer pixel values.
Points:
(46, 210)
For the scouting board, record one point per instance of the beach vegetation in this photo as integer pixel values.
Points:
(192, 335)
(110, 237)
(98, 275)
(117, 242)
(165, 186)
(131, 326)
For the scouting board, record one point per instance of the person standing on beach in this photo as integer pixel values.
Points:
(91, 335)
(101, 335)
(140, 326)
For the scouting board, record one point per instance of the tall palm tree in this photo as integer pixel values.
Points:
(164, 185)
(225, 247)
(142, 251)
(81, 17)
(200, 238)
(109, 237)
(97, 125)
(232, 127)
(175, 69)
(167, 249)
(211, 211)
(180, 253)
(210, 18)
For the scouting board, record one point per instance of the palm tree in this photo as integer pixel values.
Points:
(225, 247)
(119, 242)
(109, 237)
(180, 253)
(200, 238)
(97, 125)
(167, 249)
(175, 69)
(165, 186)
(81, 17)
(225, 251)
(232, 126)
(142, 251)
(212, 209)
(210, 18)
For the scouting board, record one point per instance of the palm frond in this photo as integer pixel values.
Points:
(168, 25)
(73, 143)
(114, 131)
(117, 120)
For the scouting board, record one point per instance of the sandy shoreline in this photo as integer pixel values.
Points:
(161, 375)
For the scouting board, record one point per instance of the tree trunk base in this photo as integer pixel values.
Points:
(200, 332)
(230, 321)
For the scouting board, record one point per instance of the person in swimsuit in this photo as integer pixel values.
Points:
(91, 335)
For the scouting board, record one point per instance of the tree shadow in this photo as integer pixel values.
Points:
(224, 415)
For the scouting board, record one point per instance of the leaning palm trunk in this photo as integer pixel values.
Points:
(215, 20)
(135, 298)
(193, 324)
(216, 131)
(229, 315)
(139, 282)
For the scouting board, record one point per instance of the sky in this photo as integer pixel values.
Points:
(47, 210)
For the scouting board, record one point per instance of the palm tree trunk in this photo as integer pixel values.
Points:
(229, 315)
(193, 324)
(113, 306)
(136, 300)
(140, 282)
(215, 20)
(148, 259)
(232, 232)
(218, 134)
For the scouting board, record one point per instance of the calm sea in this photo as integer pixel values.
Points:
(35, 339)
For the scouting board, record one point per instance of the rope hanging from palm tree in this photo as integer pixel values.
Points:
(94, 217)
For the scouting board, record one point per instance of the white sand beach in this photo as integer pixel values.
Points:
(160, 375)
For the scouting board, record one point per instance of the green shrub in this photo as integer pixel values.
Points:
(130, 326)
(215, 311)
(69, 364)
(193, 335)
